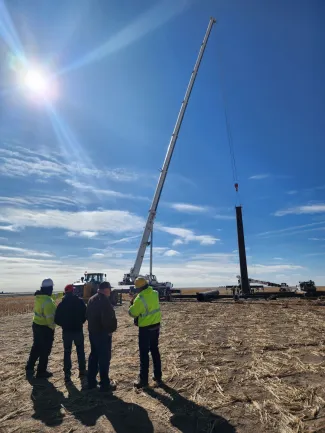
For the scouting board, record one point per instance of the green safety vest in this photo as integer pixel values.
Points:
(44, 310)
(146, 308)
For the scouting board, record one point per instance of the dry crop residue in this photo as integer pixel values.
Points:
(245, 367)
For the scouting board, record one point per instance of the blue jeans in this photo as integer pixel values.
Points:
(99, 358)
(76, 337)
(149, 342)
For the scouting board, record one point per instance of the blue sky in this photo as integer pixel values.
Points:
(77, 174)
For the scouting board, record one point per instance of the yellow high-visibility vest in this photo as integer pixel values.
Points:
(146, 308)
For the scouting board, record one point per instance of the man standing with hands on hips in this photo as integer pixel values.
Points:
(145, 309)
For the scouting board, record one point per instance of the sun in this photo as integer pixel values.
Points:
(39, 84)
(36, 81)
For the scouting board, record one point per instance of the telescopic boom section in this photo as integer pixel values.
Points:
(152, 212)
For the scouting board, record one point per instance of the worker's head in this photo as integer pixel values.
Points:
(47, 286)
(141, 284)
(105, 288)
(68, 288)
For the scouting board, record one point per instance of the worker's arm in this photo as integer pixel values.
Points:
(58, 315)
(57, 296)
(49, 314)
(137, 308)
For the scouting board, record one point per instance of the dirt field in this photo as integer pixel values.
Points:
(245, 367)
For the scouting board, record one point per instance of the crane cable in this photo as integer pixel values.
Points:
(229, 134)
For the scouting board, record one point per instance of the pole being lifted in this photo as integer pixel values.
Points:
(152, 212)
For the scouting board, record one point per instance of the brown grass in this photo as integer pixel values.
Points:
(230, 367)
(16, 305)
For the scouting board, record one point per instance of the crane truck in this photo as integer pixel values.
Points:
(283, 287)
(164, 289)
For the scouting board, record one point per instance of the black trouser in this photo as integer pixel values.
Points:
(76, 337)
(148, 342)
(99, 358)
(41, 349)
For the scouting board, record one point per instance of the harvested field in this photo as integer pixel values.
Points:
(229, 367)
(16, 305)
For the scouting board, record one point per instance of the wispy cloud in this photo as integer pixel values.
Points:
(223, 217)
(23, 163)
(111, 221)
(24, 251)
(82, 234)
(292, 192)
(259, 176)
(292, 229)
(184, 236)
(189, 208)
(51, 201)
(316, 239)
(104, 192)
(172, 253)
(277, 258)
(306, 209)
(9, 228)
(267, 175)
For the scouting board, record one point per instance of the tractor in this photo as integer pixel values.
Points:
(89, 284)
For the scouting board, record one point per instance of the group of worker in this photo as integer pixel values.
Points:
(72, 313)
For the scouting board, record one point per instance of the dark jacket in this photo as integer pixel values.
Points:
(101, 315)
(71, 313)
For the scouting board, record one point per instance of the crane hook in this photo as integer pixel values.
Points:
(236, 187)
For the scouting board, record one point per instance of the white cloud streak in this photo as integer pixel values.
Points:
(306, 209)
(184, 236)
(23, 163)
(111, 221)
(172, 253)
(294, 229)
(189, 208)
(103, 192)
(24, 251)
(259, 176)
(82, 234)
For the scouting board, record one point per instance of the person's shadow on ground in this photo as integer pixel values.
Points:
(87, 407)
(189, 417)
(47, 402)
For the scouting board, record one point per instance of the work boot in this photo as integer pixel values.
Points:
(139, 384)
(158, 382)
(108, 388)
(44, 375)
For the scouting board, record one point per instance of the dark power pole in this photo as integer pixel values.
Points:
(242, 252)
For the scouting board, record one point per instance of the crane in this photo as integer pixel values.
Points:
(129, 278)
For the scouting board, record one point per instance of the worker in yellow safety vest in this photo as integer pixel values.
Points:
(43, 330)
(145, 309)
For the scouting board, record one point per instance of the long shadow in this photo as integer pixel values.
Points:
(89, 407)
(47, 402)
(189, 417)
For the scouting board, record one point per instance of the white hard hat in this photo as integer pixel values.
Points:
(48, 282)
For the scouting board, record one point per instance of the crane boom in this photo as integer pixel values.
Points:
(153, 209)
